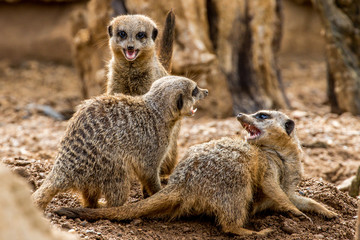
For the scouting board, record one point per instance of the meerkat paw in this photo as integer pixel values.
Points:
(330, 214)
(265, 231)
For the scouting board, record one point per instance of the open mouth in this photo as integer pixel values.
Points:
(131, 54)
(192, 111)
(253, 131)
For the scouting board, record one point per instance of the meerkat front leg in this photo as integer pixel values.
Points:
(150, 181)
(310, 205)
(272, 189)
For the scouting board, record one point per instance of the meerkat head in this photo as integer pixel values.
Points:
(131, 36)
(176, 95)
(267, 127)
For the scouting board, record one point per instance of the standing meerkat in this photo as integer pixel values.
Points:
(134, 65)
(229, 178)
(111, 137)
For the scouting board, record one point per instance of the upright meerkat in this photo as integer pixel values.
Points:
(111, 137)
(229, 178)
(134, 65)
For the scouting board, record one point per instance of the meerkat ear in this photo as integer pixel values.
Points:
(289, 126)
(154, 34)
(110, 30)
(180, 102)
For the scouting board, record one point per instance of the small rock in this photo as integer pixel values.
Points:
(289, 226)
(48, 215)
(21, 171)
(89, 231)
(66, 226)
(319, 236)
(137, 222)
(83, 224)
(71, 230)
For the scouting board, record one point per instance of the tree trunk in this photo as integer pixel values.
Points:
(248, 39)
(341, 20)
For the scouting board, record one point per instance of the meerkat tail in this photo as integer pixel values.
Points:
(162, 204)
(167, 41)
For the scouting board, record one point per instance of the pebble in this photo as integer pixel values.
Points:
(89, 231)
(319, 236)
(21, 171)
(83, 224)
(289, 226)
(71, 230)
(66, 226)
(137, 222)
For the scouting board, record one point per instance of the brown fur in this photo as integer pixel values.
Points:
(111, 137)
(136, 76)
(229, 178)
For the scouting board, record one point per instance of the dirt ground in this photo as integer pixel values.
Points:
(29, 140)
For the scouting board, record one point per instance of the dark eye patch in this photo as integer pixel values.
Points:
(180, 102)
(122, 34)
(141, 35)
(262, 116)
(195, 91)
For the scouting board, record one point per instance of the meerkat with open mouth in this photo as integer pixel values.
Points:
(111, 138)
(230, 179)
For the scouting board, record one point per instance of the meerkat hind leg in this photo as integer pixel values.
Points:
(43, 195)
(116, 193)
(90, 198)
(309, 205)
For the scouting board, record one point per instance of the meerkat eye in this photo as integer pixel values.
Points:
(262, 116)
(140, 35)
(122, 34)
(195, 91)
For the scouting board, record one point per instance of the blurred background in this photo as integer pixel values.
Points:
(240, 50)
(298, 56)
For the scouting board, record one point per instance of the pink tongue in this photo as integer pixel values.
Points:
(130, 54)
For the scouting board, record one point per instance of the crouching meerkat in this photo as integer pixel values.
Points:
(111, 137)
(134, 65)
(229, 178)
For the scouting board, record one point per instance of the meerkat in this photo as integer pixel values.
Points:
(230, 178)
(134, 65)
(112, 137)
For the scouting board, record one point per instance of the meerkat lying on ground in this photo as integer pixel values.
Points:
(229, 178)
(134, 65)
(110, 137)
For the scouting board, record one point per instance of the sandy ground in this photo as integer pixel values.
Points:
(29, 140)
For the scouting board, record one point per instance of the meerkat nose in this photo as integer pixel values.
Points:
(130, 48)
(239, 116)
(206, 92)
